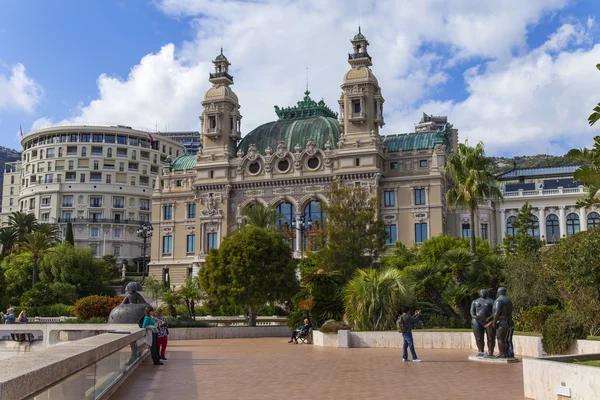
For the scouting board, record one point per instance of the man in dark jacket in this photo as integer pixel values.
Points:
(405, 325)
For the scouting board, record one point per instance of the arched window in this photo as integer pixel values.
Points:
(510, 229)
(41, 154)
(60, 152)
(12, 181)
(83, 151)
(534, 231)
(133, 155)
(314, 215)
(593, 220)
(109, 152)
(287, 213)
(572, 224)
(552, 229)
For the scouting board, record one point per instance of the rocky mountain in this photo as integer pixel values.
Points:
(540, 160)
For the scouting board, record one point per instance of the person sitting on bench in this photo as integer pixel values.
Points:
(301, 331)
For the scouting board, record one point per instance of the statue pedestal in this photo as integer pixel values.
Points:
(494, 359)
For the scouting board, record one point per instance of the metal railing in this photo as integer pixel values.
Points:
(100, 221)
(354, 56)
(214, 75)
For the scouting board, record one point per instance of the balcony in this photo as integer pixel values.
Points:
(68, 205)
(545, 192)
(144, 208)
(215, 75)
(354, 56)
(118, 205)
(96, 204)
(100, 221)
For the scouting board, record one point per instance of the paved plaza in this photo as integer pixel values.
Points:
(270, 368)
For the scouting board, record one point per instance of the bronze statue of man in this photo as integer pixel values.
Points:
(502, 321)
(481, 312)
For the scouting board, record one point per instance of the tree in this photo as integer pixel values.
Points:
(523, 241)
(589, 172)
(107, 268)
(190, 294)
(8, 238)
(354, 237)
(171, 299)
(155, 287)
(372, 299)
(468, 173)
(23, 223)
(595, 116)
(16, 268)
(69, 234)
(251, 267)
(37, 244)
(261, 216)
(49, 230)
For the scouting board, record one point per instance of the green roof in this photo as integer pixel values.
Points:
(414, 141)
(184, 162)
(359, 35)
(221, 56)
(292, 132)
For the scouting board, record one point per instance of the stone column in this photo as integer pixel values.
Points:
(298, 238)
(502, 223)
(542, 220)
(562, 221)
(583, 219)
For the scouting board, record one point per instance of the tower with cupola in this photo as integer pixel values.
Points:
(361, 103)
(221, 118)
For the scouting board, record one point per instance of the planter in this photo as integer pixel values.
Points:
(547, 378)
(325, 339)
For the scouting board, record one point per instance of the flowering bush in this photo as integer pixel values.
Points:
(95, 306)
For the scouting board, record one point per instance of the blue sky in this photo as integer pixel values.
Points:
(519, 77)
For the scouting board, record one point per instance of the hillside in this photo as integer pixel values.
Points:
(540, 160)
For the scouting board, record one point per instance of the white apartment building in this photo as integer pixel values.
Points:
(99, 178)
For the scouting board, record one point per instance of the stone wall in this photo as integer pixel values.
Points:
(233, 332)
(553, 378)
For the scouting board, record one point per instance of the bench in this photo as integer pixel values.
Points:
(305, 336)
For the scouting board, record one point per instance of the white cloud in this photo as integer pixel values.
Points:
(18, 91)
(515, 96)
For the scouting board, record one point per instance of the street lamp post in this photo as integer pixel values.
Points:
(144, 232)
(300, 227)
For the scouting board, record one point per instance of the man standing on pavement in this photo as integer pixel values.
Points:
(405, 325)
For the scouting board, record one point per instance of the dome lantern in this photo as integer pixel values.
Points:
(221, 75)
(360, 57)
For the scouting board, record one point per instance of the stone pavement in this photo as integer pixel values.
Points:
(270, 368)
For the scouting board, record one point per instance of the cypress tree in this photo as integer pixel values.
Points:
(69, 236)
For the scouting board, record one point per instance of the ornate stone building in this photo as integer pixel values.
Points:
(291, 163)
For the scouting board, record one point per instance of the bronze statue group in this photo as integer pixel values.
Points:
(493, 319)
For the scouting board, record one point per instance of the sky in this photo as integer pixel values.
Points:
(518, 75)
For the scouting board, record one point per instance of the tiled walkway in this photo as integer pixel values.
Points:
(273, 369)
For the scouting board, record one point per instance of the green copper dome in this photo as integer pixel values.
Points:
(292, 132)
(296, 125)
(184, 162)
(221, 57)
(359, 35)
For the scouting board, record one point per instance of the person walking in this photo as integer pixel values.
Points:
(405, 324)
(163, 334)
(150, 323)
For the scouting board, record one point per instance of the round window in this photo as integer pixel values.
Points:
(283, 165)
(313, 163)
(254, 168)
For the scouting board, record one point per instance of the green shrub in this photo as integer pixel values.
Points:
(95, 306)
(535, 318)
(93, 320)
(186, 322)
(437, 321)
(559, 332)
(44, 294)
(55, 310)
(332, 326)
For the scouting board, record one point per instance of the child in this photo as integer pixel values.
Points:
(163, 334)
(405, 325)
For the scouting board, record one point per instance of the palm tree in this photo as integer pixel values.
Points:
(373, 298)
(23, 223)
(458, 261)
(430, 279)
(589, 172)
(468, 173)
(595, 116)
(37, 244)
(50, 230)
(171, 299)
(8, 238)
(261, 216)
